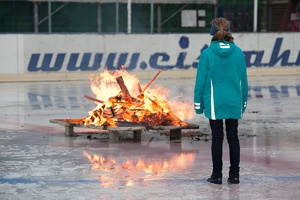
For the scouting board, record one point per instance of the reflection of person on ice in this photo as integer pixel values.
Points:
(221, 93)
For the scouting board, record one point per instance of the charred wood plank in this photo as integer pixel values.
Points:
(126, 95)
(93, 99)
(151, 81)
(139, 88)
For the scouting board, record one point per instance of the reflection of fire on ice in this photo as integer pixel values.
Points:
(137, 171)
(121, 99)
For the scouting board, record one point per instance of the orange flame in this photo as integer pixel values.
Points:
(150, 106)
(131, 171)
(105, 86)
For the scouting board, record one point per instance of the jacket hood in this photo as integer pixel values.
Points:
(222, 48)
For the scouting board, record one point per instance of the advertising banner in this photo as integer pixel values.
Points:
(64, 53)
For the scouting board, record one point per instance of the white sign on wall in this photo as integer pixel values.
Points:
(201, 23)
(201, 13)
(188, 18)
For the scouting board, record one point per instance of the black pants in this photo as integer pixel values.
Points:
(217, 145)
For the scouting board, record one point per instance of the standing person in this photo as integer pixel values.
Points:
(221, 92)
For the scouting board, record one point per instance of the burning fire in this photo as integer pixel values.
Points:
(140, 170)
(122, 100)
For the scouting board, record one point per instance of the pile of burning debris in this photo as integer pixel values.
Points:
(124, 109)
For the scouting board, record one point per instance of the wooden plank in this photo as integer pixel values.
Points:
(126, 95)
(175, 135)
(69, 131)
(114, 136)
(77, 123)
(137, 136)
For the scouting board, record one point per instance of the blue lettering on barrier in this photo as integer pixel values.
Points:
(275, 57)
(184, 44)
(84, 65)
(180, 61)
(121, 61)
(72, 62)
(298, 59)
(284, 56)
(110, 61)
(133, 61)
(258, 57)
(32, 67)
(153, 61)
(158, 60)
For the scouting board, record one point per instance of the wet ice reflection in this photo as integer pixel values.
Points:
(129, 172)
(38, 162)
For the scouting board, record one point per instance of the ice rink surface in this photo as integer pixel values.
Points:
(38, 162)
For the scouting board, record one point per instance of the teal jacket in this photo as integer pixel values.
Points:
(221, 87)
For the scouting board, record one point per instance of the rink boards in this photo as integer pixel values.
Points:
(36, 57)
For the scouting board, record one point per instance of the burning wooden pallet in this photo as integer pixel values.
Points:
(123, 112)
(69, 124)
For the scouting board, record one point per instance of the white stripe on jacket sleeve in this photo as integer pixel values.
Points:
(197, 105)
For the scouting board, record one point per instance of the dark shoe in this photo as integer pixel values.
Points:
(216, 179)
(233, 178)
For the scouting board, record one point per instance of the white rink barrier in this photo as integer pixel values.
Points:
(45, 57)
